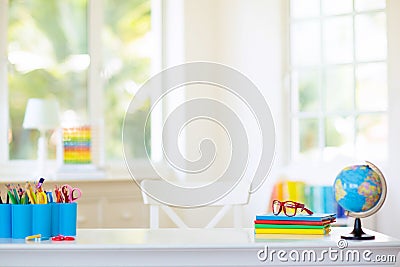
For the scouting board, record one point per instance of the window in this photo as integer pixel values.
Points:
(338, 79)
(89, 55)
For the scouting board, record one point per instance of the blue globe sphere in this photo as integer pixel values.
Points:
(359, 188)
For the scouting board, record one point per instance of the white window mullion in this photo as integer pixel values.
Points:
(95, 81)
(4, 113)
(157, 19)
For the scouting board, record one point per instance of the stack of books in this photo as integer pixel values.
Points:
(316, 224)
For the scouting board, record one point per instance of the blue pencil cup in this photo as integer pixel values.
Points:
(41, 220)
(21, 220)
(55, 219)
(5, 220)
(67, 218)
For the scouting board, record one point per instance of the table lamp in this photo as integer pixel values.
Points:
(43, 115)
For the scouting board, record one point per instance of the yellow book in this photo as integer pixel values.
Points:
(289, 191)
(300, 189)
(288, 231)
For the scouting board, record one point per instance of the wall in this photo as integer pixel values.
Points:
(245, 35)
(390, 212)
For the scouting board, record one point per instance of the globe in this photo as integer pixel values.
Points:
(361, 191)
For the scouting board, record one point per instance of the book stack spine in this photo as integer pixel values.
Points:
(316, 224)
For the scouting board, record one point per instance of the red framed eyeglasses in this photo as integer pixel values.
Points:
(288, 207)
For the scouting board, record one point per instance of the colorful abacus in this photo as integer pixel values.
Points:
(77, 141)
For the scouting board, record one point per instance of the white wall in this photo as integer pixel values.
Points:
(250, 40)
(389, 215)
(245, 35)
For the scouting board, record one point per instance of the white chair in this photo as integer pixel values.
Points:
(234, 200)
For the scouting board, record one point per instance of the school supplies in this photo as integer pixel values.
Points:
(49, 197)
(29, 191)
(62, 238)
(69, 194)
(41, 197)
(33, 237)
(300, 217)
(10, 194)
(36, 194)
(44, 218)
(293, 231)
(39, 185)
(77, 145)
(315, 224)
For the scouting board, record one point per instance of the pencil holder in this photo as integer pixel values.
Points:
(55, 219)
(67, 218)
(5, 220)
(21, 220)
(41, 220)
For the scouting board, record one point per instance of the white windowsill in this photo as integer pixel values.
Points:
(24, 170)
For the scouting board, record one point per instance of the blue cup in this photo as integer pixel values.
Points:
(41, 220)
(67, 218)
(21, 220)
(55, 219)
(5, 220)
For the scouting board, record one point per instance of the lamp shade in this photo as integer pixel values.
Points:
(41, 114)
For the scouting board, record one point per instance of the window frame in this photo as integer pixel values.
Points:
(20, 169)
(320, 115)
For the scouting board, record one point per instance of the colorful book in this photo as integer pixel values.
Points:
(325, 222)
(322, 231)
(273, 237)
(291, 226)
(317, 192)
(300, 217)
(329, 200)
(277, 193)
(291, 191)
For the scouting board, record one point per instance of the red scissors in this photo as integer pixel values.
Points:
(70, 194)
(62, 238)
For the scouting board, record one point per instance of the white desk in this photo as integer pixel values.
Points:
(177, 247)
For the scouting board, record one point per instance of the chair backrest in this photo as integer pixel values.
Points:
(235, 199)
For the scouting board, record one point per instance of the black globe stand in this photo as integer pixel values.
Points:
(358, 233)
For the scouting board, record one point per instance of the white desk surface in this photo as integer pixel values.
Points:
(182, 247)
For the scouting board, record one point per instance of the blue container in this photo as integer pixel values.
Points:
(5, 220)
(41, 220)
(55, 219)
(21, 220)
(67, 218)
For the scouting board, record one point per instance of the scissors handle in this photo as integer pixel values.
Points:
(65, 194)
(74, 197)
(70, 194)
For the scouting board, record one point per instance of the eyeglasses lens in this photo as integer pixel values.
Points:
(290, 208)
(276, 207)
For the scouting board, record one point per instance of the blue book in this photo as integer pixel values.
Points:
(318, 198)
(329, 200)
(340, 212)
(316, 217)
